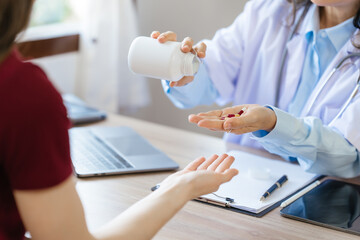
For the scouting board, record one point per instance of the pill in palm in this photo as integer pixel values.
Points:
(233, 115)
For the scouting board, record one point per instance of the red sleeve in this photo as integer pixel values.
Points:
(37, 154)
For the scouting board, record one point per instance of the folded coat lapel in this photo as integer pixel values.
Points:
(296, 50)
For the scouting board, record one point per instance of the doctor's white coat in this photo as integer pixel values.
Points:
(243, 62)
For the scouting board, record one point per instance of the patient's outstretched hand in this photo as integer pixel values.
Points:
(203, 176)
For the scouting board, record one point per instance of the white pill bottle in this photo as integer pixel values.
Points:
(150, 58)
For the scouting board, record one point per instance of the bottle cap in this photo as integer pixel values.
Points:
(191, 64)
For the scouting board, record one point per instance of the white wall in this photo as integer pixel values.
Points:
(61, 69)
(196, 18)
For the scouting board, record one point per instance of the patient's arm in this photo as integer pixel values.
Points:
(57, 213)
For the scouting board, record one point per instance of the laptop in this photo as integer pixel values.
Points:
(79, 112)
(98, 151)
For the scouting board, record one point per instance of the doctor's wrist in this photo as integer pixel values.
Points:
(271, 119)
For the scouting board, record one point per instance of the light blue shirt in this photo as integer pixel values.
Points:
(323, 46)
(317, 147)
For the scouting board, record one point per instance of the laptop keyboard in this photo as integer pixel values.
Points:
(90, 152)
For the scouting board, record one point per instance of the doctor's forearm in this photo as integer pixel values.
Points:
(199, 92)
(318, 148)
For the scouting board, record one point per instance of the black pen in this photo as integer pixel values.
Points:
(276, 185)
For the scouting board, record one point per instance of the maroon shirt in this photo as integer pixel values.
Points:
(34, 142)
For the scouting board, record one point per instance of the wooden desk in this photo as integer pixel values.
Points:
(106, 197)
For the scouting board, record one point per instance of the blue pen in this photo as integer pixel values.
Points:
(275, 186)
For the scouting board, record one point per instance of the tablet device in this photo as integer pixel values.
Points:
(333, 204)
(79, 112)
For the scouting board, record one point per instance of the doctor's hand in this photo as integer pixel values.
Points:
(238, 119)
(187, 46)
(202, 176)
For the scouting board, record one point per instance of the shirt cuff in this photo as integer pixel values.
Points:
(286, 127)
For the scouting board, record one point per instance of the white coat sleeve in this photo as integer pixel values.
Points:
(319, 149)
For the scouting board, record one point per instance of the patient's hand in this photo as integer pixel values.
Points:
(238, 119)
(202, 176)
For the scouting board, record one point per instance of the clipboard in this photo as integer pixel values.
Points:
(245, 190)
(260, 214)
(227, 207)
